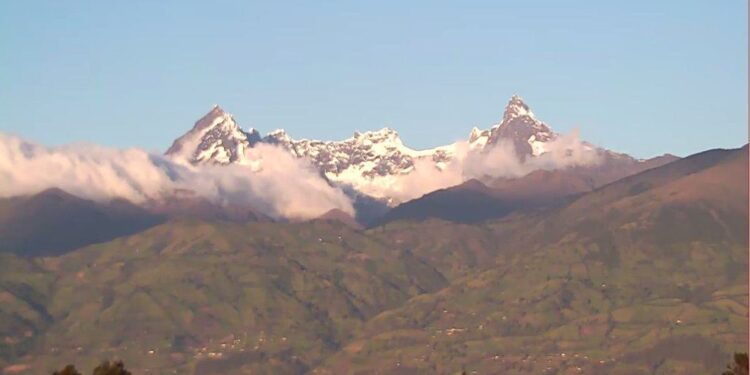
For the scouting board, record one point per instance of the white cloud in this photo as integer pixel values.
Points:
(500, 160)
(276, 184)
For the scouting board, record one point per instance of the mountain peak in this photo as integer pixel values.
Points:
(385, 134)
(278, 136)
(216, 111)
(522, 128)
(516, 108)
(216, 138)
(211, 117)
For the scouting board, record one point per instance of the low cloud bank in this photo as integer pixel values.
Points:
(499, 161)
(277, 184)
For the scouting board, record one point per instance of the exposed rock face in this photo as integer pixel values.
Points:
(521, 127)
(215, 138)
(372, 161)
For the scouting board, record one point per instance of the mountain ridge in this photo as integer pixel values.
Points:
(372, 162)
(475, 200)
(648, 272)
(638, 274)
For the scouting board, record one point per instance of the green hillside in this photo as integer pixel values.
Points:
(624, 280)
(570, 306)
(185, 293)
(647, 275)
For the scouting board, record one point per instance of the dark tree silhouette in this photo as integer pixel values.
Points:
(111, 368)
(68, 370)
(739, 367)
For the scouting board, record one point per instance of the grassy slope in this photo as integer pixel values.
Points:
(287, 295)
(647, 275)
(643, 276)
(24, 291)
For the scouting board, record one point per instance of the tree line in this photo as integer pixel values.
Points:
(738, 367)
(105, 368)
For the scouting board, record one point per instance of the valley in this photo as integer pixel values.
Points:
(646, 274)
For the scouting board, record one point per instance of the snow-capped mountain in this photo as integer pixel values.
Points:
(369, 154)
(521, 127)
(371, 162)
(215, 138)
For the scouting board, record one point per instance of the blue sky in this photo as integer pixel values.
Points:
(641, 77)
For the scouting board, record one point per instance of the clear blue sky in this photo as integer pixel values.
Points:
(643, 77)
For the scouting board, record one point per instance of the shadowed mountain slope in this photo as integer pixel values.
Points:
(475, 201)
(645, 275)
(53, 222)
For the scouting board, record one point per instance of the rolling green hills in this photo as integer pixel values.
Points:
(176, 295)
(646, 275)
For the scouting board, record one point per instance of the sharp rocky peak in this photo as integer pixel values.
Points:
(212, 118)
(515, 108)
(366, 156)
(215, 137)
(520, 127)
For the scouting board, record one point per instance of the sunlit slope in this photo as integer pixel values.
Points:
(646, 275)
(169, 297)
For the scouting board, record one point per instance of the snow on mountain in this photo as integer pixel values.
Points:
(522, 128)
(370, 154)
(215, 138)
(478, 138)
(371, 159)
(371, 162)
